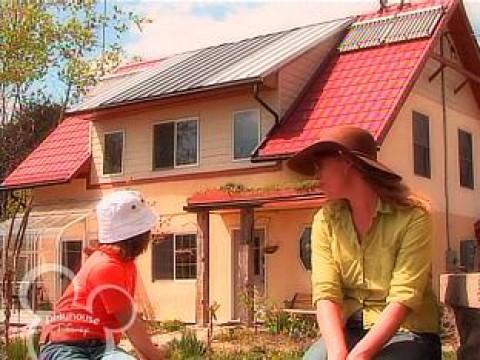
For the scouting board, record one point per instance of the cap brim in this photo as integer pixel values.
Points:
(302, 162)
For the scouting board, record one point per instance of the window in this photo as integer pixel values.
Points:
(465, 159)
(175, 143)
(113, 153)
(421, 144)
(174, 257)
(306, 248)
(246, 133)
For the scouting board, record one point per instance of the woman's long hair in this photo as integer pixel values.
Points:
(128, 249)
(394, 192)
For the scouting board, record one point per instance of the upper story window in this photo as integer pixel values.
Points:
(113, 153)
(174, 257)
(421, 144)
(246, 133)
(175, 143)
(465, 159)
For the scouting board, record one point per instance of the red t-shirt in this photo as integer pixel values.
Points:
(104, 286)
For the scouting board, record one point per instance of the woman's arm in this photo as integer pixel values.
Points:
(330, 321)
(387, 325)
(409, 279)
(327, 293)
(138, 336)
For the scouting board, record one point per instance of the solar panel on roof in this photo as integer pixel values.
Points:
(408, 25)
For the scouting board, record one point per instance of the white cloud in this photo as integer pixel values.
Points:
(177, 28)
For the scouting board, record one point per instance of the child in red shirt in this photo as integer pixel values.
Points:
(98, 306)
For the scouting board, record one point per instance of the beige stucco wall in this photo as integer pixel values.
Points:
(171, 299)
(397, 151)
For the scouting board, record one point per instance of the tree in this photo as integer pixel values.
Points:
(60, 42)
(43, 43)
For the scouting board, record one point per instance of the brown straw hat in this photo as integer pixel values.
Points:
(353, 142)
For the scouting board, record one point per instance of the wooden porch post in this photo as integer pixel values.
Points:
(203, 265)
(246, 253)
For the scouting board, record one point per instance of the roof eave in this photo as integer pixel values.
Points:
(246, 81)
(32, 185)
(264, 158)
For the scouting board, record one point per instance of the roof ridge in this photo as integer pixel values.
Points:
(259, 36)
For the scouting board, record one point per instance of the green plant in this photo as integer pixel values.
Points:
(17, 349)
(188, 347)
(301, 327)
(172, 325)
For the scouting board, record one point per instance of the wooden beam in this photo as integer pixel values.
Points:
(203, 266)
(468, 74)
(459, 87)
(246, 263)
(434, 75)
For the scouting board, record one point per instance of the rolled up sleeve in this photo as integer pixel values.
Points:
(413, 263)
(326, 281)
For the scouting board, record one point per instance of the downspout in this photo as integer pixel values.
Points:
(264, 104)
(450, 257)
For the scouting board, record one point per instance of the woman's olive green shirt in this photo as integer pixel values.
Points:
(391, 263)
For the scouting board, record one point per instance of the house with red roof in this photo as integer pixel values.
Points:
(205, 135)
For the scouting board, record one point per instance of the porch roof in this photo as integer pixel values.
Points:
(267, 199)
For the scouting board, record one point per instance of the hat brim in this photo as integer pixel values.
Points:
(302, 162)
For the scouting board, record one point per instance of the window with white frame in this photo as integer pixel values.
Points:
(174, 257)
(175, 143)
(113, 153)
(246, 133)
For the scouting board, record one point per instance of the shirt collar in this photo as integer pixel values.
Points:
(383, 207)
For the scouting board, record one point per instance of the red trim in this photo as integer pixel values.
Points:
(192, 176)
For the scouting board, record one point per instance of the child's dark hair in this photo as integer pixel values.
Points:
(128, 249)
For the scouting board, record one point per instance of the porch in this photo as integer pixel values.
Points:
(271, 239)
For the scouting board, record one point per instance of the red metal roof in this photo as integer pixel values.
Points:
(363, 88)
(57, 159)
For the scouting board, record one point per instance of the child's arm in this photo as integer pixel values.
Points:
(140, 339)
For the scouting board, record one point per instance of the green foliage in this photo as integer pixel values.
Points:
(18, 349)
(188, 347)
(165, 326)
(172, 325)
(59, 40)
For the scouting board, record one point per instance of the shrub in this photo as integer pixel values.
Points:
(188, 347)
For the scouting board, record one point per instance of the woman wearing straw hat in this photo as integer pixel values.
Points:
(371, 255)
(98, 306)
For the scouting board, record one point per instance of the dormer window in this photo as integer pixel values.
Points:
(113, 153)
(246, 133)
(175, 144)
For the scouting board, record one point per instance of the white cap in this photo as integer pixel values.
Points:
(123, 214)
